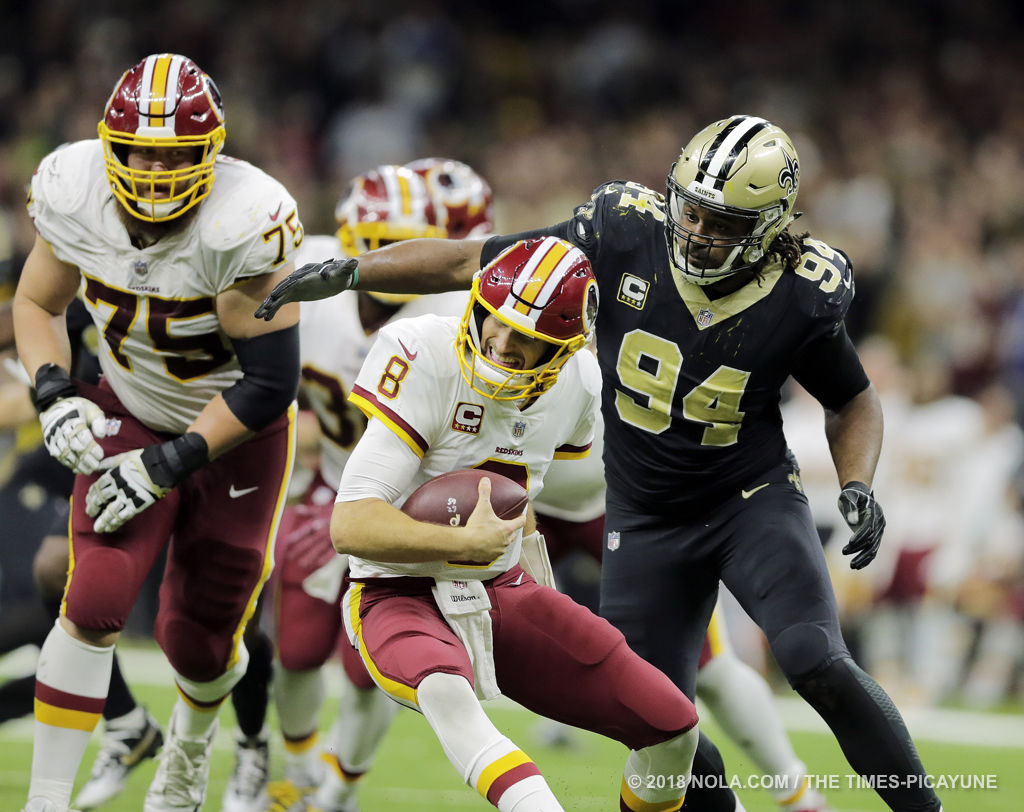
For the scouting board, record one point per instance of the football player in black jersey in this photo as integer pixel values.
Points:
(709, 304)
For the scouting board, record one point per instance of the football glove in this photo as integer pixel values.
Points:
(314, 280)
(70, 423)
(864, 516)
(136, 479)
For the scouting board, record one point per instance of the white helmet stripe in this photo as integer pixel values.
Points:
(524, 291)
(144, 85)
(158, 86)
(406, 194)
(719, 161)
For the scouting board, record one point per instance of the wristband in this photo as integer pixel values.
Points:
(170, 462)
(53, 382)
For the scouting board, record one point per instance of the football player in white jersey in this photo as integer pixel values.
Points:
(431, 197)
(186, 443)
(503, 390)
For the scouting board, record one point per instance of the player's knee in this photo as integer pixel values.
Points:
(831, 686)
(445, 697)
(50, 566)
(676, 752)
(801, 649)
(97, 598)
(657, 709)
(191, 650)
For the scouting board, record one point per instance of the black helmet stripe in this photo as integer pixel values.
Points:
(721, 155)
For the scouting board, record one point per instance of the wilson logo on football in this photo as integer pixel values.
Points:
(468, 418)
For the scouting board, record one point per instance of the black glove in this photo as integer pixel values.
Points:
(865, 518)
(314, 280)
(136, 479)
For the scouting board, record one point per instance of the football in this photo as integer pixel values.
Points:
(450, 498)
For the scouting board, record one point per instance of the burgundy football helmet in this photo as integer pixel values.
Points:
(544, 288)
(164, 102)
(387, 204)
(463, 202)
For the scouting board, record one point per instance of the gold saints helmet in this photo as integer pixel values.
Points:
(744, 169)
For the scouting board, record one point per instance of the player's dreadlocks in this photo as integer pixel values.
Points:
(789, 248)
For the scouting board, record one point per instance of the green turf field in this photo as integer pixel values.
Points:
(412, 773)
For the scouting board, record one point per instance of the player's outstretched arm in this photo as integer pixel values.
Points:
(411, 266)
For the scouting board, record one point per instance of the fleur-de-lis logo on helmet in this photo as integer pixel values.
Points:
(789, 175)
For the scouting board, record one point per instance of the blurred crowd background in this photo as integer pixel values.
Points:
(909, 120)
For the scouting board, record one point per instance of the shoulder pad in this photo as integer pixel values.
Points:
(615, 204)
(64, 178)
(427, 339)
(825, 279)
(248, 206)
(625, 196)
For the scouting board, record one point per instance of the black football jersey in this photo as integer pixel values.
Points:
(691, 384)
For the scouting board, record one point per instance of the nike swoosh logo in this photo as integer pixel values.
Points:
(410, 355)
(234, 492)
(274, 215)
(519, 580)
(752, 491)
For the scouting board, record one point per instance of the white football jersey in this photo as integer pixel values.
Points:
(163, 350)
(574, 489)
(411, 381)
(333, 346)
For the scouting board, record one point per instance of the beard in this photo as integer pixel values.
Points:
(143, 233)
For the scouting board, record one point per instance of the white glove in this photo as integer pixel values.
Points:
(70, 428)
(534, 559)
(124, 491)
(136, 479)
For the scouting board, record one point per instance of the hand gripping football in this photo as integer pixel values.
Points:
(450, 498)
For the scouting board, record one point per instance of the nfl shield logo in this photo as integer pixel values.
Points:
(613, 540)
(519, 428)
(141, 268)
(704, 317)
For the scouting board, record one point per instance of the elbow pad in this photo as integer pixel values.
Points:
(270, 377)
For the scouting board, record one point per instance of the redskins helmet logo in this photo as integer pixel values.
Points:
(790, 173)
(590, 307)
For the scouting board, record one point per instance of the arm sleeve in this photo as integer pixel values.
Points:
(830, 370)
(270, 377)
